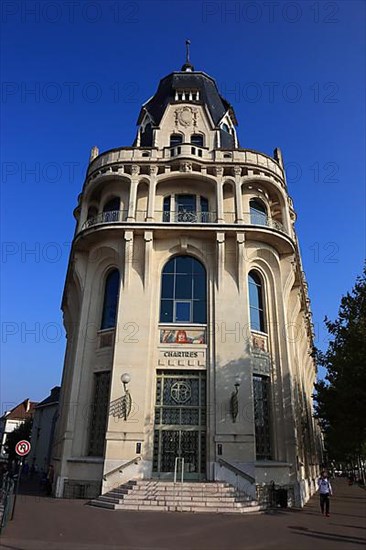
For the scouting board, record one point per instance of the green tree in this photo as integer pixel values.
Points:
(23, 431)
(341, 397)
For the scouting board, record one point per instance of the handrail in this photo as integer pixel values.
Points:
(236, 470)
(121, 467)
(177, 460)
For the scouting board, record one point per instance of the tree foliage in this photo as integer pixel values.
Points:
(23, 431)
(341, 397)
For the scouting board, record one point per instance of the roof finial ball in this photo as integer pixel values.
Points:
(187, 67)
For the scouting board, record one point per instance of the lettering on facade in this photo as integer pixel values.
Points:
(180, 354)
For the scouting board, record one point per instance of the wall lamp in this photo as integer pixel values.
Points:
(126, 398)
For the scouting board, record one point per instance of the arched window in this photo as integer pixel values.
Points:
(197, 139)
(225, 127)
(111, 292)
(111, 210)
(183, 291)
(176, 139)
(258, 212)
(256, 304)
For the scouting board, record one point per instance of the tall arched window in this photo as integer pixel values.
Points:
(258, 212)
(111, 210)
(183, 291)
(256, 304)
(176, 139)
(111, 292)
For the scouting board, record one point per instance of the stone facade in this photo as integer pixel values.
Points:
(134, 215)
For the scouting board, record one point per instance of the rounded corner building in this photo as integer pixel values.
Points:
(187, 319)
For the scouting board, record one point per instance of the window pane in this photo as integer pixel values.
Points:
(197, 139)
(186, 203)
(253, 294)
(199, 312)
(183, 264)
(199, 287)
(255, 320)
(166, 312)
(198, 268)
(183, 312)
(167, 286)
(183, 286)
(169, 267)
(204, 204)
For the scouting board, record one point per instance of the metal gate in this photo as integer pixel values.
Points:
(180, 423)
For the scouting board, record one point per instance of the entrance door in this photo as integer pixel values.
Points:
(180, 424)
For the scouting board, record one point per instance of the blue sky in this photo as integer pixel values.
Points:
(75, 75)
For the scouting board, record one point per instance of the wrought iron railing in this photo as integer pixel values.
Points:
(106, 217)
(184, 216)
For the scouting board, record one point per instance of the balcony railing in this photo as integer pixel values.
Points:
(185, 217)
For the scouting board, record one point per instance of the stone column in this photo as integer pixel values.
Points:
(238, 199)
(152, 191)
(219, 172)
(135, 170)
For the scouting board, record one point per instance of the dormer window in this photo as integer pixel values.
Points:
(226, 128)
(197, 139)
(187, 95)
(176, 139)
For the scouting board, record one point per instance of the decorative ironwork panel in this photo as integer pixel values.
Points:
(99, 412)
(261, 390)
(180, 417)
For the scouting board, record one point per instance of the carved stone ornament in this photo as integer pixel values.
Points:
(185, 166)
(153, 170)
(219, 170)
(186, 116)
(135, 170)
(237, 170)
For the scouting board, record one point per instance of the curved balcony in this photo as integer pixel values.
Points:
(184, 217)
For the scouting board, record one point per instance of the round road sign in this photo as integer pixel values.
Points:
(23, 447)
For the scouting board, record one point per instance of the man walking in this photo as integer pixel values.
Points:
(325, 491)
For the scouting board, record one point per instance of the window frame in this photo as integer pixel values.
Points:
(261, 301)
(170, 303)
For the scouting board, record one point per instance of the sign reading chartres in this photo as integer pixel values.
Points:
(23, 447)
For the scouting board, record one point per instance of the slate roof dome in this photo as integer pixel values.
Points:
(168, 92)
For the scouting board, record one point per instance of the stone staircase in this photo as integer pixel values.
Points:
(167, 496)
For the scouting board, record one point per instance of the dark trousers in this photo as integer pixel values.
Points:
(324, 500)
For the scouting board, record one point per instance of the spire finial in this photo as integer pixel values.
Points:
(187, 65)
(188, 43)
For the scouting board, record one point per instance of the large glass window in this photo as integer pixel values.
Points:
(183, 291)
(110, 302)
(258, 212)
(256, 302)
(261, 395)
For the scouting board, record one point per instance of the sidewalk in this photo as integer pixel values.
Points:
(42, 523)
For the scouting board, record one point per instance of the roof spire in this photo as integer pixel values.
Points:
(187, 65)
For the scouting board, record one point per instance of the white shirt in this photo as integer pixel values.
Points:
(324, 486)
